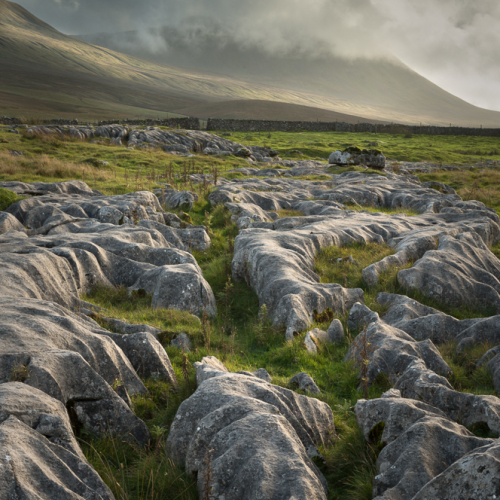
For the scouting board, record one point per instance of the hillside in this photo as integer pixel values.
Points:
(49, 73)
(268, 110)
(383, 89)
(45, 72)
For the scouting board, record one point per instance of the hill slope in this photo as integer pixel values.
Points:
(382, 89)
(47, 72)
(248, 109)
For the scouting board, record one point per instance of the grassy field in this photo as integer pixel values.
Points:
(241, 337)
(434, 149)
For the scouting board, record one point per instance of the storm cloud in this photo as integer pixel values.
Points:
(454, 43)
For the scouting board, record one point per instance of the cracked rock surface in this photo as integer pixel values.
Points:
(420, 443)
(276, 258)
(422, 423)
(246, 420)
(68, 364)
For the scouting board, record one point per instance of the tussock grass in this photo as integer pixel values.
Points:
(241, 335)
(349, 275)
(474, 184)
(350, 462)
(7, 198)
(138, 473)
(467, 376)
(42, 166)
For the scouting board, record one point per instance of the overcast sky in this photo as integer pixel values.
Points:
(454, 43)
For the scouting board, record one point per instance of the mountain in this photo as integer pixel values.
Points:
(383, 89)
(45, 72)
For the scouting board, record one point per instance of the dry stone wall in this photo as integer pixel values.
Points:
(299, 126)
(188, 123)
(217, 124)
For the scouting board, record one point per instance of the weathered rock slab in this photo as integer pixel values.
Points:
(245, 421)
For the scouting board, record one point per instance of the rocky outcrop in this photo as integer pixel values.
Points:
(277, 258)
(68, 363)
(260, 436)
(355, 156)
(476, 475)
(422, 322)
(193, 237)
(245, 214)
(461, 272)
(40, 412)
(45, 188)
(41, 213)
(192, 141)
(419, 382)
(39, 455)
(9, 223)
(77, 362)
(81, 133)
(305, 383)
(171, 198)
(420, 422)
(73, 256)
(418, 371)
(420, 443)
(391, 351)
(71, 266)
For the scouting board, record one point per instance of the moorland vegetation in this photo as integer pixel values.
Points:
(240, 335)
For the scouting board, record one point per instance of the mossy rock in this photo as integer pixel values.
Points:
(7, 198)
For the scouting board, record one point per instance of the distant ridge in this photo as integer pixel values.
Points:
(268, 110)
(46, 73)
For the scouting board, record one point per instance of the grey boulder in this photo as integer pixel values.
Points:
(420, 442)
(462, 271)
(182, 341)
(9, 223)
(355, 156)
(172, 198)
(259, 435)
(33, 467)
(475, 476)
(305, 383)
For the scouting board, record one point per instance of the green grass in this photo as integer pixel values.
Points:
(7, 198)
(475, 184)
(289, 213)
(239, 335)
(52, 159)
(467, 376)
(435, 149)
(349, 275)
(496, 249)
(383, 210)
(243, 341)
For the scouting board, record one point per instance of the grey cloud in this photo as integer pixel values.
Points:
(455, 43)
